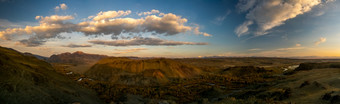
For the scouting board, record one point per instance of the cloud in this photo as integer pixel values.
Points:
(110, 14)
(62, 6)
(57, 8)
(197, 32)
(321, 40)
(254, 49)
(54, 19)
(329, 1)
(219, 20)
(298, 45)
(319, 13)
(104, 23)
(268, 14)
(243, 28)
(49, 27)
(153, 11)
(169, 24)
(143, 41)
(77, 45)
(291, 48)
(120, 51)
(31, 42)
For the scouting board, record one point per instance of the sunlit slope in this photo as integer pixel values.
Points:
(26, 79)
(116, 69)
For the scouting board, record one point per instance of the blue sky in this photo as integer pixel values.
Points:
(190, 28)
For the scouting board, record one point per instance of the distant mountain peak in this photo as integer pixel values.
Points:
(77, 57)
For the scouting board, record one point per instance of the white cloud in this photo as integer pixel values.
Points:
(243, 28)
(50, 27)
(298, 45)
(53, 19)
(124, 51)
(153, 11)
(110, 14)
(206, 34)
(268, 14)
(290, 48)
(57, 8)
(169, 24)
(104, 23)
(254, 49)
(321, 40)
(143, 41)
(62, 6)
(197, 32)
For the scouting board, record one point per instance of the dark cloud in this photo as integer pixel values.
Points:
(31, 42)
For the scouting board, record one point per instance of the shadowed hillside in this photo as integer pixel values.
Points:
(75, 58)
(37, 56)
(28, 80)
(77, 62)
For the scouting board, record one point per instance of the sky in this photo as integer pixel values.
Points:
(173, 28)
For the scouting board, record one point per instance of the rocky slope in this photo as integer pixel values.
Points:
(28, 80)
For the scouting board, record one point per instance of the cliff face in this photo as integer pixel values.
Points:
(28, 80)
(159, 70)
(75, 58)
